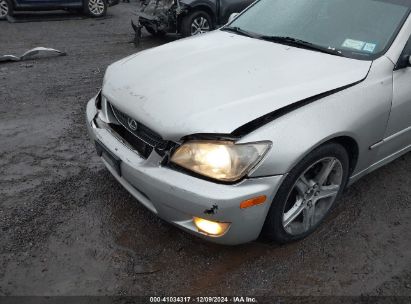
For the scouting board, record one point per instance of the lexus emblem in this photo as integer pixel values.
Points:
(132, 124)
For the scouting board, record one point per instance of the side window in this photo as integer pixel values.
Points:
(403, 62)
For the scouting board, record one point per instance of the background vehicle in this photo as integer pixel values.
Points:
(93, 8)
(188, 17)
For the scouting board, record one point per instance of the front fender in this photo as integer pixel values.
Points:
(360, 112)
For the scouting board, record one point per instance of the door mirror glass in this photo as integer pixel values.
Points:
(232, 17)
(409, 61)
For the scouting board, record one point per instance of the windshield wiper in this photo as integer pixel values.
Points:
(238, 30)
(303, 44)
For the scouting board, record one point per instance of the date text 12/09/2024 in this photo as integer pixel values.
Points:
(238, 299)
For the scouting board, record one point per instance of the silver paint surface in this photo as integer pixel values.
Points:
(220, 81)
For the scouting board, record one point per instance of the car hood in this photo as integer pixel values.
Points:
(220, 81)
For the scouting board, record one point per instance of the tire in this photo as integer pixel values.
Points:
(154, 32)
(95, 8)
(299, 196)
(6, 9)
(195, 23)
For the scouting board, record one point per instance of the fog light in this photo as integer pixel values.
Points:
(210, 227)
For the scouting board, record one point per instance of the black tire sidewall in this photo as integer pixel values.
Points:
(88, 12)
(188, 20)
(273, 226)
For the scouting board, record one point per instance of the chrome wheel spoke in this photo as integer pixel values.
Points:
(194, 28)
(200, 25)
(203, 22)
(302, 185)
(309, 218)
(328, 192)
(96, 7)
(312, 195)
(100, 6)
(4, 8)
(326, 170)
(293, 213)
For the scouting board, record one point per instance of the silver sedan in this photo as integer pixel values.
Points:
(258, 127)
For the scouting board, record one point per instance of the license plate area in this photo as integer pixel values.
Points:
(109, 157)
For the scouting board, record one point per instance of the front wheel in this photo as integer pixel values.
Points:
(6, 9)
(308, 194)
(95, 8)
(196, 23)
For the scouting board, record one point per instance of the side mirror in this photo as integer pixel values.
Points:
(232, 17)
(404, 62)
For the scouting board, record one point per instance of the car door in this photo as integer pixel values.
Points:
(398, 134)
(44, 4)
(227, 7)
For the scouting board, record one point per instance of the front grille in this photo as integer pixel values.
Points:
(143, 139)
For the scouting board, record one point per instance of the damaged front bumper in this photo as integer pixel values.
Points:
(177, 197)
(160, 16)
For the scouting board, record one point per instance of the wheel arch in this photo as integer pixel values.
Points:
(286, 154)
(274, 219)
(201, 7)
(352, 148)
(346, 141)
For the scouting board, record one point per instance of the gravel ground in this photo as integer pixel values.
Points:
(68, 228)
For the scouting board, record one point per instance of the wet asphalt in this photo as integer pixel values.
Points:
(68, 228)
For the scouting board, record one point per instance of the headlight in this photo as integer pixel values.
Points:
(221, 160)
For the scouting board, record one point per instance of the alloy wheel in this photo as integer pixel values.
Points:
(200, 25)
(312, 196)
(96, 7)
(4, 8)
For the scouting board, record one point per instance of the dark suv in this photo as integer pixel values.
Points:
(94, 8)
(187, 17)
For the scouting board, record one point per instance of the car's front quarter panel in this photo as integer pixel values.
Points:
(360, 112)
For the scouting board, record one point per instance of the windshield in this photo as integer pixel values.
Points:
(362, 29)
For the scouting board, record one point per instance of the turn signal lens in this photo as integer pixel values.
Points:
(210, 227)
(253, 202)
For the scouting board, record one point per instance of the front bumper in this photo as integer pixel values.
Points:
(177, 197)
